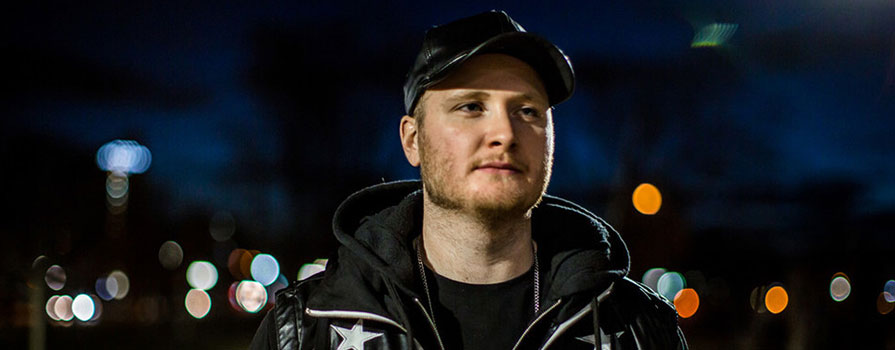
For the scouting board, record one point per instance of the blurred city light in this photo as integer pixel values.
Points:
(116, 185)
(101, 289)
(97, 308)
(308, 270)
(222, 226)
(669, 284)
(170, 255)
(840, 287)
(240, 264)
(82, 307)
(124, 156)
(883, 305)
(39, 262)
(51, 307)
(117, 284)
(714, 34)
(55, 277)
(265, 269)
(647, 199)
(202, 275)
(686, 301)
(756, 299)
(251, 296)
(651, 277)
(231, 296)
(889, 291)
(197, 303)
(62, 308)
(776, 299)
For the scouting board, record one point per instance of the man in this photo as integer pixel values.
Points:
(476, 256)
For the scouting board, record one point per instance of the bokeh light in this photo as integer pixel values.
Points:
(776, 299)
(251, 296)
(308, 270)
(686, 302)
(222, 226)
(51, 307)
(714, 34)
(647, 199)
(124, 156)
(840, 287)
(116, 185)
(117, 284)
(82, 307)
(62, 308)
(265, 269)
(201, 275)
(97, 308)
(238, 258)
(40, 262)
(889, 291)
(197, 303)
(669, 284)
(883, 305)
(101, 289)
(55, 277)
(170, 255)
(651, 277)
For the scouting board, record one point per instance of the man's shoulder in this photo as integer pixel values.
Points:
(281, 327)
(647, 313)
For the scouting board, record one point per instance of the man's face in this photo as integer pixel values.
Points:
(485, 144)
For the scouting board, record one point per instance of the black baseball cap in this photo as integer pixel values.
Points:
(447, 46)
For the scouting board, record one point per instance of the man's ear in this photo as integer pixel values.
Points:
(409, 140)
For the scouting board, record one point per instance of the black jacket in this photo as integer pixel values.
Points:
(371, 293)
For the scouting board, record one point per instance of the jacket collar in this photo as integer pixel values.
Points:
(375, 269)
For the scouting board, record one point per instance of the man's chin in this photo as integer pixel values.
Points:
(504, 207)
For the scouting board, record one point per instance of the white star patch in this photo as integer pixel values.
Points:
(354, 338)
(592, 339)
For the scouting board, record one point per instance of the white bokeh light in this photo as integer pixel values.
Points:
(83, 307)
(124, 156)
(201, 275)
(251, 296)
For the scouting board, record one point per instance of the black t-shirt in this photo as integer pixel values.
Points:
(482, 316)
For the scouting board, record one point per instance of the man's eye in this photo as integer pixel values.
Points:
(530, 112)
(470, 107)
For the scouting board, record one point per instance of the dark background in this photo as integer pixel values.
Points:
(772, 151)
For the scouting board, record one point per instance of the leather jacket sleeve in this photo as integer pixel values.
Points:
(649, 320)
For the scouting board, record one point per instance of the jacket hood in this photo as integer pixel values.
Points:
(376, 227)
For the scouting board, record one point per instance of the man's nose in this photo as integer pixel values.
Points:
(501, 130)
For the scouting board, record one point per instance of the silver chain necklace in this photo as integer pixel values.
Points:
(419, 260)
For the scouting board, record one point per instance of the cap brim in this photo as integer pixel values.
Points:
(552, 66)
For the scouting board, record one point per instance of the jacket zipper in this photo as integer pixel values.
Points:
(431, 322)
(565, 325)
(537, 319)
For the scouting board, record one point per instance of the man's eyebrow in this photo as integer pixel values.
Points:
(468, 95)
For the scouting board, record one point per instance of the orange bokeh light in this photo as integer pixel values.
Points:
(686, 302)
(776, 299)
(647, 199)
(882, 305)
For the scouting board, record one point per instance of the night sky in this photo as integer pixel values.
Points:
(772, 150)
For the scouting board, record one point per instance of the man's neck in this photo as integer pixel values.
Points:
(467, 248)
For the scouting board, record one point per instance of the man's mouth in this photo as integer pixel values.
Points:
(504, 168)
